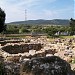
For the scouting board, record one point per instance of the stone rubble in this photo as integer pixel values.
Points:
(38, 47)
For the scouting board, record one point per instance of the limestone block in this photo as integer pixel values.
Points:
(32, 52)
(47, 55)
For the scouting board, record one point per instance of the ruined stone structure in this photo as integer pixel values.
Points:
(15, 53)
(21, 48)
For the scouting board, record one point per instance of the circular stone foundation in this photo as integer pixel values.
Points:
(21, 48)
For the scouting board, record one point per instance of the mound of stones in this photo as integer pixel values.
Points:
(46, 66)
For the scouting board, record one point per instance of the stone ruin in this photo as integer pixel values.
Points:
(27, 49)
(21, 48)
(15, 52)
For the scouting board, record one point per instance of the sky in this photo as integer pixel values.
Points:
(37, 9)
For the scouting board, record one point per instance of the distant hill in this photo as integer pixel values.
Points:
(38, 22)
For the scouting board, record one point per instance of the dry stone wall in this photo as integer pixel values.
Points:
(21, 48)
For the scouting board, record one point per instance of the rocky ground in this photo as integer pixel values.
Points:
(14, 54)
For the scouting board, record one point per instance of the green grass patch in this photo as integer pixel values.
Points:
(65, 37)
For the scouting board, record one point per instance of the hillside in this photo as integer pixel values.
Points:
(38, 22)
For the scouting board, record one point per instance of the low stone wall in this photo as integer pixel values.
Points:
(21, 48)
(2, 43)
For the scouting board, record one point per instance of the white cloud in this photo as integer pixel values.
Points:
(59, 13)
(15, 10)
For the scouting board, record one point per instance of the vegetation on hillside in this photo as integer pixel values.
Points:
(51, 30)
(36, 29)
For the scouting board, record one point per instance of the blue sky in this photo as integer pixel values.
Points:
(37, 9)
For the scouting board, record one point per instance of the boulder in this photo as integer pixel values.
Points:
(46, 66)
(47, 55)
(32, 52)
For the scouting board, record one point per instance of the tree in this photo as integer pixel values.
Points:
(72, 26)
(51, 30)
(23, 30)
(2, 20)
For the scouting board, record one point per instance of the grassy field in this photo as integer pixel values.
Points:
(65, 37)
